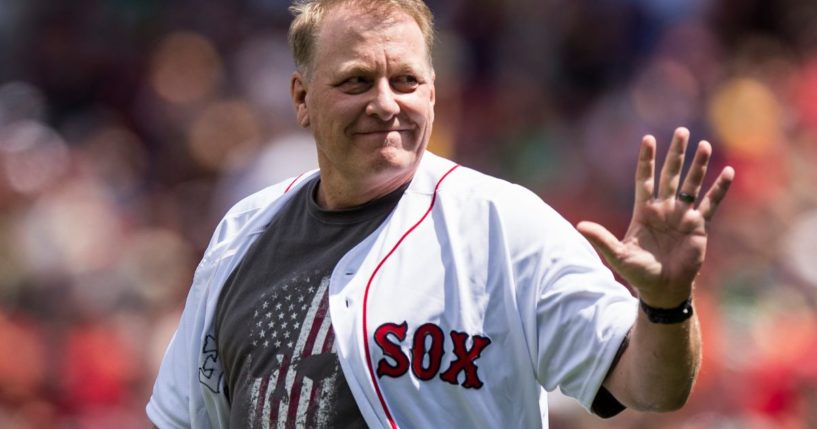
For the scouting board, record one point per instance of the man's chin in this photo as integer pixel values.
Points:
(391, 160)
(398, 155)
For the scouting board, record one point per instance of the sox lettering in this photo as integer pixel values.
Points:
(428, 340)
(435, 352)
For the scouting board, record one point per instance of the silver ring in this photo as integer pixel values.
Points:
(687, 198)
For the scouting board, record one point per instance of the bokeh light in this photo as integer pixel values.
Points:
(34, 156)
(75, 230)
(225, 133)
(800, 247)
(185, 68)
(807, 94)
(117, 157)
(746, 116)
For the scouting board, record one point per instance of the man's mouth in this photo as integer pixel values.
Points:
(384, 131)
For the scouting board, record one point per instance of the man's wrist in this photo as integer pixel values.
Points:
(668, 316)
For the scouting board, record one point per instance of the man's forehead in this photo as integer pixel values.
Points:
(397, 65)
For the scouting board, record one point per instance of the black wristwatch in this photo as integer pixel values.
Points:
(668, 316)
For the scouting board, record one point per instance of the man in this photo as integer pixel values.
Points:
(393, 288)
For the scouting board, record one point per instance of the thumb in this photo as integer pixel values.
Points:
(603, 240)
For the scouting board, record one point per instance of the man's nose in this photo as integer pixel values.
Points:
(383, 103)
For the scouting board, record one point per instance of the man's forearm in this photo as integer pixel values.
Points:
(658, 368)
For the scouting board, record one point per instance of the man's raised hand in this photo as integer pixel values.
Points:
(665, 243)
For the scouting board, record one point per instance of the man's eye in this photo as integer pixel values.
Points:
(405, 83)
(355, 85)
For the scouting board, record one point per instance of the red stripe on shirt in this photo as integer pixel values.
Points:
(293, 183)
(366, 299)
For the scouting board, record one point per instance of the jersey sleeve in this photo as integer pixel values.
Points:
(190, 363)
(575, 313)
(583, 316)
(176, 396)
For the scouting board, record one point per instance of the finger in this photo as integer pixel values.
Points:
(716, 194)
(603, 240)
(645, 171)
(671, 172)
(697, 171)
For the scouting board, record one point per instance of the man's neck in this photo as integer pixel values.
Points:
(336, 193)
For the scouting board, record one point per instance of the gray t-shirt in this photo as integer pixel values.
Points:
(273, 327)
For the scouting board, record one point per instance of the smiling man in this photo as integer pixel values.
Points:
(367, 92)
(394, 288)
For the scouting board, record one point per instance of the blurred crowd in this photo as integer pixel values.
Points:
(128, 127)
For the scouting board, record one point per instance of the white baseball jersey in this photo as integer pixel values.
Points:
(470, 301)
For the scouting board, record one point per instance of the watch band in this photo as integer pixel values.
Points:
(668, 316)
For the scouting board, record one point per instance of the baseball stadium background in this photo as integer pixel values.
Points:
(127, 127)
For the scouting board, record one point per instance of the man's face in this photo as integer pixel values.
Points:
(369, 96)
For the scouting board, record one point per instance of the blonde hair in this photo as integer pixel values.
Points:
(309, 14)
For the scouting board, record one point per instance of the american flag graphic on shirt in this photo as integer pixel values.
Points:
(293, 326)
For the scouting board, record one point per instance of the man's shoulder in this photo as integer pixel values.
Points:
(268, 196)
(252, 212)
(471, 185)
(477, 195)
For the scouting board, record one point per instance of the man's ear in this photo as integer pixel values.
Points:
(298, 93)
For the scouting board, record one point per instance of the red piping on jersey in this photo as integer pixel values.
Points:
(366, 299)
(293, 183)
